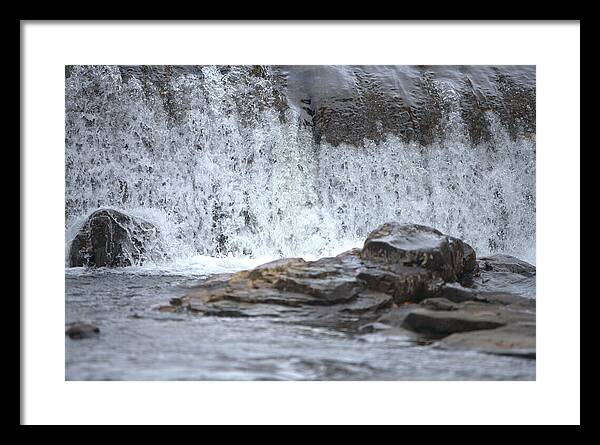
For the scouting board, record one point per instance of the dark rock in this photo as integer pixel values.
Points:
(113, 239)
(439, 317)
(516, 339)
(175, 301)
(80, 330)
(416, 245)
(404, 283)
(487, 293)
(505, 274)
(507, 263)
(442, 323)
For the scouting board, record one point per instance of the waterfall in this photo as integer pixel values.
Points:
(225, 162)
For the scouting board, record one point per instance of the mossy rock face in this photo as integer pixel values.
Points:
(110, 238)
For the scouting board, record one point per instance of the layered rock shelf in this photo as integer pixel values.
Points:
(407, 280)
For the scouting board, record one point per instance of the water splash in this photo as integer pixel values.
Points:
(222, 169)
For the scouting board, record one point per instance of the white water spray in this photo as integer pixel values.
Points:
(225, 175)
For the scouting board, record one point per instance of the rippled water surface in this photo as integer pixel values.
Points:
(139, 343)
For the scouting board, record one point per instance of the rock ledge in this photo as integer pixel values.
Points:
(408, 277)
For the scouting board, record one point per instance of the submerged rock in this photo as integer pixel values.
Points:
(406, 278)
(516, 339)
(113, 239)
(443, 322)
(80, 330)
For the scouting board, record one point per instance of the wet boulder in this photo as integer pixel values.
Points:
(422, 246)
(110, 238)
(505, 274)
(79, 330)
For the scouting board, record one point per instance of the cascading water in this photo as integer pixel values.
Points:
(224, 164)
